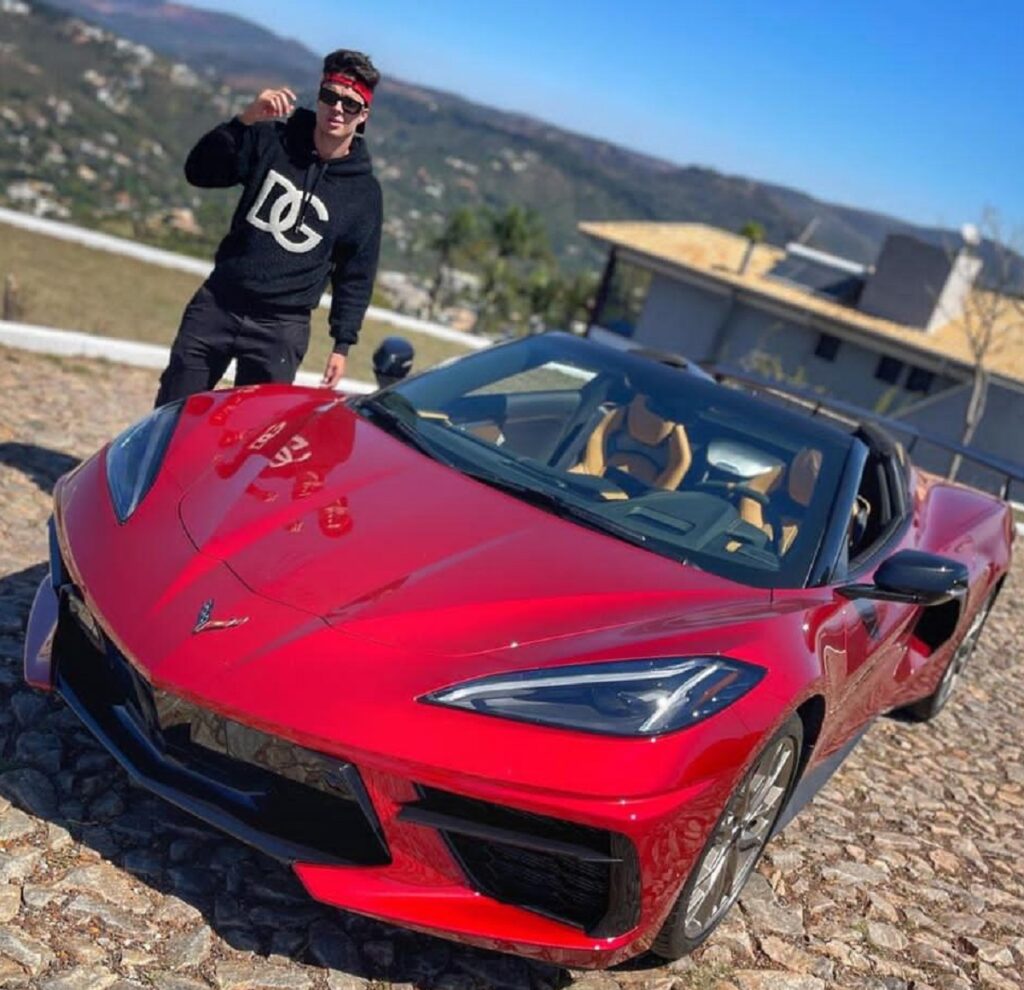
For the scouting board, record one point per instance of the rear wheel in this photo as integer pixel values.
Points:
(735, 845)
(928, 708)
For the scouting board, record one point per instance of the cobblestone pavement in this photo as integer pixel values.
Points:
(906, 872)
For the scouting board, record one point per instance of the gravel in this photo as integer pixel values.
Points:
(904, 873)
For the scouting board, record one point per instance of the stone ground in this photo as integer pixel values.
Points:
(906, 872)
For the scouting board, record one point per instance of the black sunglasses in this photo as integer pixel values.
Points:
(331, 98)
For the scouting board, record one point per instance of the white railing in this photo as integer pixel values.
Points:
(72, 343)
(196, 266)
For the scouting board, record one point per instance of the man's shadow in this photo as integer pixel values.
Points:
(54, 770)
(42, 465)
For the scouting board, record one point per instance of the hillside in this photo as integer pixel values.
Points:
(93, 129)
(433, 151)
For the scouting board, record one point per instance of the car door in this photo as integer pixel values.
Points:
(876, 633)
(877, 638)
(859, 644)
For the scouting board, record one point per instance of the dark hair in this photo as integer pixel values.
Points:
(354, 64)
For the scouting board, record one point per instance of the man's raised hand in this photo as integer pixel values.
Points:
(270, 104)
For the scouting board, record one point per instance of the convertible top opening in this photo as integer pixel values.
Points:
(653, 454)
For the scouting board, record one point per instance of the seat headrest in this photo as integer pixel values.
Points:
(645, 426)
(803, 475)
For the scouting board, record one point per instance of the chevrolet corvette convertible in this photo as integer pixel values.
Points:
(534, 651)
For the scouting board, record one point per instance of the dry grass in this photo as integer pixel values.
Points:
(78, 288)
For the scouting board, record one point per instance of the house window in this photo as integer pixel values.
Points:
(888, 369)
(624, 298)
(919, 380)
(827, 348)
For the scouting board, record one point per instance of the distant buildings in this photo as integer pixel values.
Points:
(890, 338)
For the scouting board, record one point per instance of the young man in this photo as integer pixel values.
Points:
(310, 211)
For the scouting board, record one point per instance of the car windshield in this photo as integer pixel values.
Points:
(645, 452)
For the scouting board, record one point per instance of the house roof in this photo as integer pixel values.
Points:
(717, 254)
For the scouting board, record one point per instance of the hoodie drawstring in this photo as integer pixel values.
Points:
(317, 168)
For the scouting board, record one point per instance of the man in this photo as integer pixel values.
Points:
(310, 211)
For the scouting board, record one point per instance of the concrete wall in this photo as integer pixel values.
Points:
(680, 318)
(908, 279)
(777, 348)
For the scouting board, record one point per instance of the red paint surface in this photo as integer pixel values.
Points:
(369, 575)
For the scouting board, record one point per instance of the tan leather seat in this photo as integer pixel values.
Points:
(800, 482)
(752, 511)
(639, 443)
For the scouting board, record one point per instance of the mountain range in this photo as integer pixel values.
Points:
(433, 151)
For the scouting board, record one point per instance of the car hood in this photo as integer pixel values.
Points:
(328, 514)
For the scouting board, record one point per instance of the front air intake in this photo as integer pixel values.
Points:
(582, 876)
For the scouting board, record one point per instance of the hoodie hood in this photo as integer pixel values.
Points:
(298, 140)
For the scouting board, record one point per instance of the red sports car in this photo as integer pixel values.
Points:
(534, 651)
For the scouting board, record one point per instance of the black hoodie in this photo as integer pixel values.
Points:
(300, 220)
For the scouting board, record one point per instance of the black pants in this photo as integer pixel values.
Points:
(268, 347)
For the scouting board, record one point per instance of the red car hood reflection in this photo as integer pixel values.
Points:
(333, 516)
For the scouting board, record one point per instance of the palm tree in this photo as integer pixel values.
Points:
(754, 233)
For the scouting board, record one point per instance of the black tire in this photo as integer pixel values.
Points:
(681, 933)
(927, 708)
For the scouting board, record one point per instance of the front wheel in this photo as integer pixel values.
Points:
(735, 845)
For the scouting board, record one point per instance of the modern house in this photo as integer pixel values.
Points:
(891, 338)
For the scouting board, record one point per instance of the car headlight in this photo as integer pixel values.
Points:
(620, 698)
(134, 458)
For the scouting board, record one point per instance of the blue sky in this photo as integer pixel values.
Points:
(907, 107)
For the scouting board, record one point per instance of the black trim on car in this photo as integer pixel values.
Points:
(810, 783)
(328, 820)
(578, 875)
(829, 564)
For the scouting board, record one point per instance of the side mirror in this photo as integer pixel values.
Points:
(392, 360)
(914, 577)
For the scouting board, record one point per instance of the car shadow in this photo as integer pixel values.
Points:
(43, 465)
(53, 769)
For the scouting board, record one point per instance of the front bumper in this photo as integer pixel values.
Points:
(387, 842)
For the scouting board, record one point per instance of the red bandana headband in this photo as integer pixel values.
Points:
(361, 88)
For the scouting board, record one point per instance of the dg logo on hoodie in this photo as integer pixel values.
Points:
(288, 206)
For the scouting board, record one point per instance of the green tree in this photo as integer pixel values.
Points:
(521, 285)
(499, 294)
(459, 232)
(511, 259)
(575, 299)
(519, 233)
(541, 291)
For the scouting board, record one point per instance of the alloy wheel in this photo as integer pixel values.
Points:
(742, 833)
